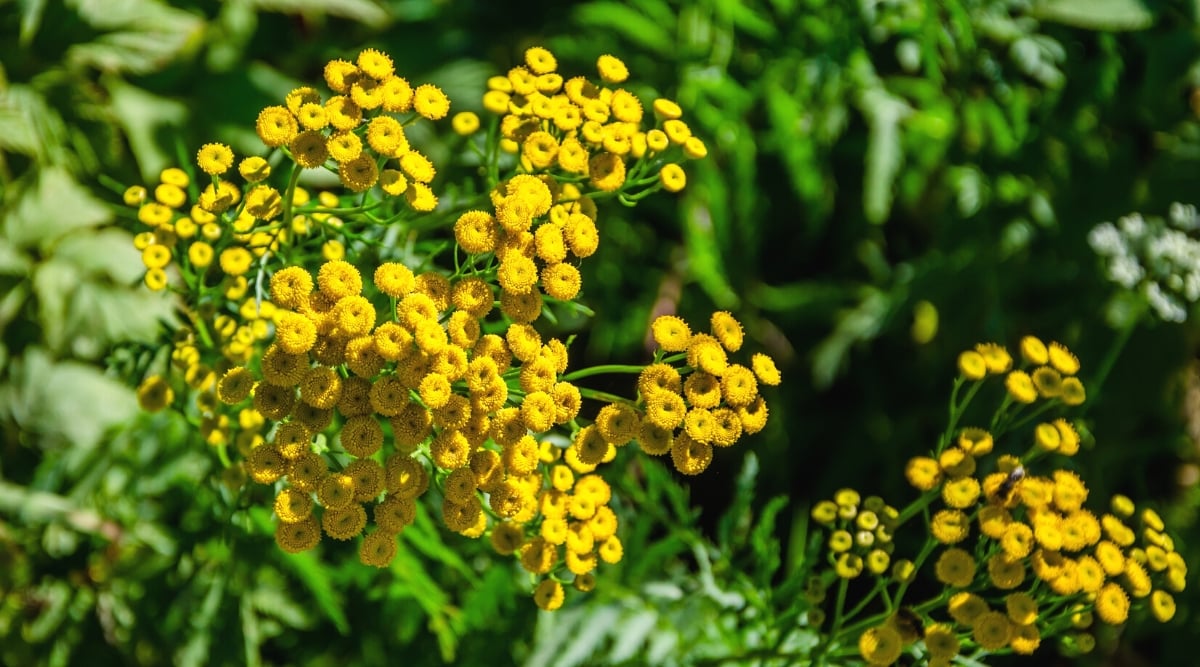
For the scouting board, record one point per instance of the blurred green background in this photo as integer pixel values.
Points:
(864, 158)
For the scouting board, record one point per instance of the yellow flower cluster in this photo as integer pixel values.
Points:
(587, 131)
(860, 534)
(428, 395)
(354, 400)
(709, 402)
(1047, 372)
(360, 128)
(1032, 533)
(194, 236)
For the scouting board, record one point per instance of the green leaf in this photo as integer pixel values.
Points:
(89, 295)
(67, 401)
(625, 20)
(363, 11)
(1096, 14)
(315, 577)
(17, 130)
(143, 117)
(54, 206)
(139, 36)
(736, 517)
(704, 253)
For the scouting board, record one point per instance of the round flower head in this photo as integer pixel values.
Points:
(672, 177)
(1072, 391)
(705, 353)
(376, 64)
(418, 167)
(667, 109)
(727, 330)
(966, 608)
(1112, 604)
(880, 645)
(671, 333)
(297, 537)
(312, 116)
(950, 526)
(1034, 351)
(1162, 606)
(465, 122)
(961, 493)
(548, 595)
(975, 441)
(276, 126)
(540, 149)
(991, 630)
(254, 169)
(941, 641)
(1020, 387)
(1062, 359)
(611, 69)
(1047, 381)
(359, 174)
(539, 60)
(340, 75)
(430, 102)
(765, 369)
(694, 148)
(339, 279)
(972, 365)
(923, 473)
(997, 358)
(956, 568)
(1022, 608)
(214, 159)
(606, 172)
(581, 235)
(309, 149)
(1004, 571)
(690, 456)
(346, 523)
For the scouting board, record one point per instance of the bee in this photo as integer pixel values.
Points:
(908, 624)
(1006, 487)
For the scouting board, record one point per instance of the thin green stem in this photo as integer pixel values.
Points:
(602, 369)
(1107, 363)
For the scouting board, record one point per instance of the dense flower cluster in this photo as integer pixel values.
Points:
(355, 400)
(1159, 259)
(707, 402)
(585, 130)
(1018, 554)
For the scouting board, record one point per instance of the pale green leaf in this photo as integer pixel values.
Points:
(1096, 14)
(363, 11)
(704, 253)
(138, 36)
(55, 205)
(66, 401)
(630, 637)
(31, 19)
(884, 113)
(142, 117)
(17, 131)
(315, 577)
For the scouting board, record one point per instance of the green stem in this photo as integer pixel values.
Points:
(604, 396)
(599, 370)
(1110, 360)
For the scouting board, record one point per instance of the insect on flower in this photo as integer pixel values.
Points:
(1006, 487)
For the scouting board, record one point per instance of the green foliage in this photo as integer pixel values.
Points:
(865, 158)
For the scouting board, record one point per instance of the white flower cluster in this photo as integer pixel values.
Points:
(1155, 257)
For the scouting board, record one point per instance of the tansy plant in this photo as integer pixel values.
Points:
(1008, 554)
(324, 359)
